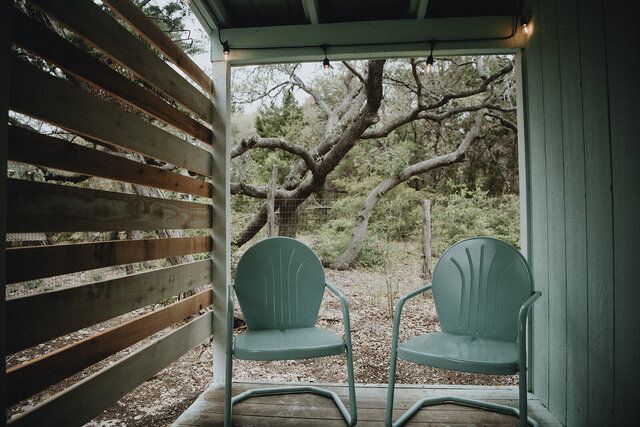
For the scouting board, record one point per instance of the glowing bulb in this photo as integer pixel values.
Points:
(524, 22)
(429, 63)
(226, 50)
(326, 66)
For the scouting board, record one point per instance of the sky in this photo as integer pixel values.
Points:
(306, 71)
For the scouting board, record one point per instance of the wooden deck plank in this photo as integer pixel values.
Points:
(311, 410)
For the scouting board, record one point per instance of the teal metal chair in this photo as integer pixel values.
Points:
(280, 284)
(483, 290)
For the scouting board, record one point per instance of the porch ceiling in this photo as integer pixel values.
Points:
(296, 30)
(265, 13)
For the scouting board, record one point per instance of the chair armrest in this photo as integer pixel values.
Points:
(345, 311)
(398, 312)
(522, 325)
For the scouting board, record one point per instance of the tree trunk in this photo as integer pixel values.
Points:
(349, 256)
(426, 240)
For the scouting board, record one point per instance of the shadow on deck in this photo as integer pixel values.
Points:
(310, 410)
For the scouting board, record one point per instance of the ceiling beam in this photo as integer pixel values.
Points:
(370, 39)
(388, 32)
(204, 14)
(220, 11)
(311, 11)
(421, 9)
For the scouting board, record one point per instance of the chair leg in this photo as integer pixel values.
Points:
(352, 387)
(392, 384)
(228, 381)
(522, 398)
(295, 390)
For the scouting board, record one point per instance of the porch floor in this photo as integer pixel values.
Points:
(311, 410)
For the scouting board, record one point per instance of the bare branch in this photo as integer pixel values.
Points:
(320, 102)
(354, 71)
(421, 112)
(416, 77)
(506, 123)
(63, 177)
(274, 143)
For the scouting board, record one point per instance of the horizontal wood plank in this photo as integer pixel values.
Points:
(58, 101)
(37, 39)
(148, 29)
(30, 147)
(40, 207)
(31, 377)
(33, 319)
(307, 409)
(87, 20)
(86, 399)
(36, 262)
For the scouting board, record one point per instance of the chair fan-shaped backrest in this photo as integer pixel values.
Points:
(479, 285)
(279, 283)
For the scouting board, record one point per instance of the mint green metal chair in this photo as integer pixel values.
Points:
(280, 284)
(483, 290)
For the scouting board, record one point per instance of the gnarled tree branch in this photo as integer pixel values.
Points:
(362, 220)
(274, 143)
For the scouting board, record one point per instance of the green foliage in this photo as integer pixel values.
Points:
(333, 238)
(276, 121)
(465, 213)
(477, 196)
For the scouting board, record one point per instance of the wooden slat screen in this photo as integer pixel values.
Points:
(29, 318)
(30, 377)
(34, 37)
(126, 141)
(81, 402)
(87, 20)
(36, 262)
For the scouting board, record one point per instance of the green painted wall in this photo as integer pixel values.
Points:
(582, 124)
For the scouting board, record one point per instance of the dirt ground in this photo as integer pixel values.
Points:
(371, 294)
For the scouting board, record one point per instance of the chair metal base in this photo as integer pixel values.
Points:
(294, 390)
(461, 401)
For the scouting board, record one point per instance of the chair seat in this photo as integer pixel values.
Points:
(288, 344)
(461, 353)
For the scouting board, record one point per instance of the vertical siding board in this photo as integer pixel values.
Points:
(538, 203)
(575, 215)
(554, 169)
(623, 61)
(599, 212)
(5, 31)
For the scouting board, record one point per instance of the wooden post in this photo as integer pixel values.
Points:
(5, 28)
(271, 203)
(426, 240)
(221, 201)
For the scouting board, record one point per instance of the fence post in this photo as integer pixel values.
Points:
(426, 240)
(271, 202)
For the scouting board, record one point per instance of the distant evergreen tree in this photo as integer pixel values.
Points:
(275, 121)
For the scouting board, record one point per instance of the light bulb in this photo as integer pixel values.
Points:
(524, 22)
(326, 66)
(226, 50)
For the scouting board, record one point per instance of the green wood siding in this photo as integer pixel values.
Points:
(581, 118)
